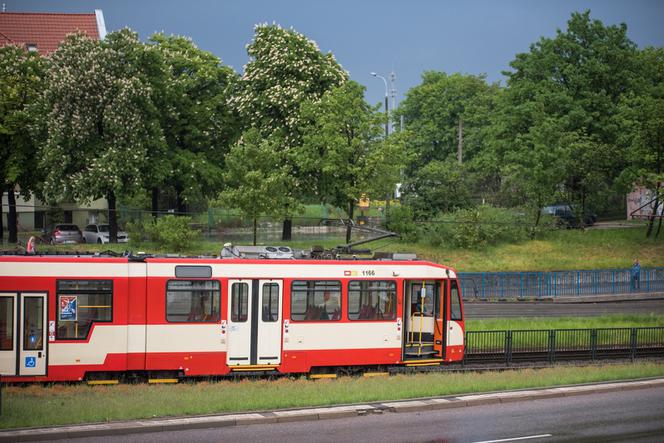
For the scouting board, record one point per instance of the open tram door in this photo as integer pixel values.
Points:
(423, 320)
(23, 345)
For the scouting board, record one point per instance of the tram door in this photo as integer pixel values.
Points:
(254, 322)
(23, 333)
(423, 320)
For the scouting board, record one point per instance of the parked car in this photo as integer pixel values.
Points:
(100, 233)
(65, 233)
(565, 216)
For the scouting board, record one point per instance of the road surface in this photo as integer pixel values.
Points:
(630, 416)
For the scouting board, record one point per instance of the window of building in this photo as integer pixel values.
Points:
(193, 301)
(6, 323)
(455, 301)
(372, 300)
(82, 303)
(239, 302)
(270, 302)
(31, 47)
(315, 300)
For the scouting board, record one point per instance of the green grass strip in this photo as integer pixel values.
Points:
(37, 405)
(604, 321)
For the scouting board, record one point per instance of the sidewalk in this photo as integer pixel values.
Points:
(324, 413)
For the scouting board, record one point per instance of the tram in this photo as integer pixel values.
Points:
(267, 309)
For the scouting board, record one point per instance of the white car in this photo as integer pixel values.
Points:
(100, 234)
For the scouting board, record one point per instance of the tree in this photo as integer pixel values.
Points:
(22, 74)
(197, 121)
(255, 177)
(341, 154)
(642, 127)
(447, 118)
(568, 87)
(285, 70)
(102, 124)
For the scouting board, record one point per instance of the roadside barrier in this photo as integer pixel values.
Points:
(522, 285)
(563, 344)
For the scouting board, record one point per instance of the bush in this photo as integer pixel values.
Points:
(400, 219)
(479, 227)
(170, 232)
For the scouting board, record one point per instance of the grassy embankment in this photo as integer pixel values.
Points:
(555, 250)
(529, 323)
(63, 404)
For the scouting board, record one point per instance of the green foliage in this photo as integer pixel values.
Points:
(478, 227)
(400, 219)
(438, 186)
(169, 232)
(556, 129)
(198, 124)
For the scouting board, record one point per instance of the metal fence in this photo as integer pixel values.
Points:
(506, 285)
(563, 344)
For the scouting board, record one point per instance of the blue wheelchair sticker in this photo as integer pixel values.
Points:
(30, 362)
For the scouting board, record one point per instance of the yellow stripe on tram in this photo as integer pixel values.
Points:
(315, 376)
(102, 382)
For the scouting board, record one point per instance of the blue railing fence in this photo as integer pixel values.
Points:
(509, 285)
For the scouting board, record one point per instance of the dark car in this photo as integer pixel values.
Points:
(65, 233)
(565, 216)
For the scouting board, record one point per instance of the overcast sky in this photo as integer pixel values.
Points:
(471, 37)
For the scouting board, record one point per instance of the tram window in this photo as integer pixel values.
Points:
(270, 302)
(193, 301)
(33, 324)
(6, 323)
(372, 300)
(455, 300)
(82, 303)
(431, 298)
(315, 300)
(239, 302)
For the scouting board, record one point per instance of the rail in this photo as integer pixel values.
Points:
(554, 345)
(522, 285)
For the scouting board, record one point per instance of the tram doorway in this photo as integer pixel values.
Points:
(423, 319)
(23, 344)
(254, 322)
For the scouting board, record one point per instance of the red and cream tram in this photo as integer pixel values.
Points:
(101, 317)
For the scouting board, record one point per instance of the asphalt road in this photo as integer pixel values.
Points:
(550, 309)
(630, 416)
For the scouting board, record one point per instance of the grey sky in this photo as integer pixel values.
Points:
(367, 35)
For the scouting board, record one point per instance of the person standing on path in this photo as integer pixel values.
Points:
(636, 273)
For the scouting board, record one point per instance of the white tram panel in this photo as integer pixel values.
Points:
(310, 271)
(341, 336)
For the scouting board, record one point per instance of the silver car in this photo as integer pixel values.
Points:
(100, 233)
(65, 233)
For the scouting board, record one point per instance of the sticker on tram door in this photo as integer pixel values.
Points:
(30, 362)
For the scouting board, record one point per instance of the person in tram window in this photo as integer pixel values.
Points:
(330, 308)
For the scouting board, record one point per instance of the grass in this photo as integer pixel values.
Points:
(552, 251)
(529, 323)
(37, 405)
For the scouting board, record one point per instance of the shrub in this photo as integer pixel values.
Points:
(479, 227)
(170, 232)
(400, 219)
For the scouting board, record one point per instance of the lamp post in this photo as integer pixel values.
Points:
(387, 112)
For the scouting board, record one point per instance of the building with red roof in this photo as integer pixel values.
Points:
(43, 31)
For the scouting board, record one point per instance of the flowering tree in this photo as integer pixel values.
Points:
(197, 121)
(22, 75)
(285, 70)
(101, 123)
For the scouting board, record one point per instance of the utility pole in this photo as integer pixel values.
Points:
(460, 145)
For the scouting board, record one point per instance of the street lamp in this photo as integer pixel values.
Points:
(387, 112)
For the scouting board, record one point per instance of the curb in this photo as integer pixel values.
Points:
(320, 413)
